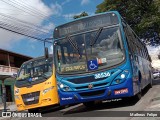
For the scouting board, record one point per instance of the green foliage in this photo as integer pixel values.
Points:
(81, 15)
(141, 15)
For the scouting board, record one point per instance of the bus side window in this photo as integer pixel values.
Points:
(22, 72)
(128, 39)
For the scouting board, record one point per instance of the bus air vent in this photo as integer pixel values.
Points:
(87, 79)
(31, 98)
(92, 94)
(95, 85)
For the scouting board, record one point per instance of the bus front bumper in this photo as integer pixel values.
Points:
(111, 92)
(21, 106)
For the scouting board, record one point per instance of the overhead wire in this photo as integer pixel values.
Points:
(17, 32)
(21, 27)
(15, 19)
(30, 8)
(26, 3)
(23, 34)
(18, 29)
(20, 8)
(25, 27)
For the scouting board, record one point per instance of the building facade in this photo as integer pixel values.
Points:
(10, 63)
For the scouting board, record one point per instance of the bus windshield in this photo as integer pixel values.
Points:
(35, 69)
(102, 45)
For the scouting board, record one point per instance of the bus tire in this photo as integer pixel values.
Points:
(151, 82)
(34, 110)
(63, 107)
(139, 95)
(89, 104)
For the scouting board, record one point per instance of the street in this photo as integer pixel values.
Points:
(150, 101)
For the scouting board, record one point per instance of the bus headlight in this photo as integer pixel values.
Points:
(61, 86)
(121, 77)
(46, 90)
(64, 87)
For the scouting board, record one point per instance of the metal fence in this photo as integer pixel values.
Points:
(4, 68)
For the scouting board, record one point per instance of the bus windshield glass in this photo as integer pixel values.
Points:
(103, 46)
(35, 69)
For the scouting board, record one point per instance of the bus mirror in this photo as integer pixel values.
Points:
(46, 52)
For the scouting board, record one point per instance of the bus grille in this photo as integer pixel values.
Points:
(95, 85)
(31, 98)
(92, 94)
(85, 80)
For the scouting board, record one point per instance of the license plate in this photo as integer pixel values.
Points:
(30, 99)
(121, 91)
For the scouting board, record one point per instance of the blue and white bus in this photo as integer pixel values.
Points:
(98, 58)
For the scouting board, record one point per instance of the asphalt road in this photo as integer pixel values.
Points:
(107, 109)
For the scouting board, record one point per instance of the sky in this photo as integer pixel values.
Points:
(44, 13)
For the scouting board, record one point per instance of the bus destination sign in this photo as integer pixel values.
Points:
(86, 24)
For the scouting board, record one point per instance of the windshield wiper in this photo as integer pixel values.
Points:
(93, 41)
(75, 46)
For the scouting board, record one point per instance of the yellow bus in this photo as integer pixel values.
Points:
(35, 85)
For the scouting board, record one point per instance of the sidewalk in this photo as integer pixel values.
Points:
(154, 106)
(10, 106)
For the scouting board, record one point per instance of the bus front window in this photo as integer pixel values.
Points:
(107, 49)
(72, 55)
(37, 68)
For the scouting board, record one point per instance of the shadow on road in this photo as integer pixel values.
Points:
(51, 109)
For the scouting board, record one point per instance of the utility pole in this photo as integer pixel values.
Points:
(4, 93)
(46, 48)
(4, 96)
(45, 40)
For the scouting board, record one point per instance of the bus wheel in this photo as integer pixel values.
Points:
(63, 107)
(151, 82)
(35, 110)
(139, 94)
(89, 104)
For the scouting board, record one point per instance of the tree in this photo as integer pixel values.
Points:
(142, 15)
(81, 15)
